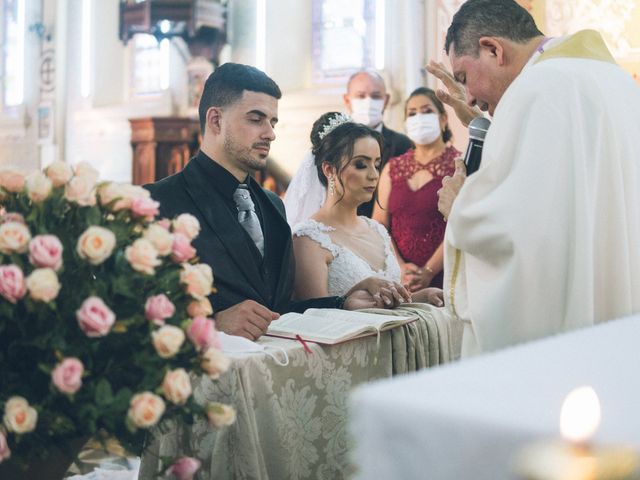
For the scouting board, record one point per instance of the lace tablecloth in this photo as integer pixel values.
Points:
(291, 420)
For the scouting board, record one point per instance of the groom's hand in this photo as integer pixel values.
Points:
(246, 319)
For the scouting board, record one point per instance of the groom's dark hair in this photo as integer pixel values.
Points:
(227, 83)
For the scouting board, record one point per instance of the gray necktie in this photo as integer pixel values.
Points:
(247, 216)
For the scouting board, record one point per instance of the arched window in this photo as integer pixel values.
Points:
(347, 36)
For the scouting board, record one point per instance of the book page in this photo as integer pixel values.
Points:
(327, 327)
(375, 320)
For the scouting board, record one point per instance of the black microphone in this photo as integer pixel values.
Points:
(477, 131)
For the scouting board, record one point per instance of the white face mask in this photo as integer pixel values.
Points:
(423, 128)
(233, 344)
(367, 111)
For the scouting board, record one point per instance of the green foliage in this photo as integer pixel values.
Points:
(35, 336)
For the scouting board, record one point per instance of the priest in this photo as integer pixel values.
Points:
(545, 236)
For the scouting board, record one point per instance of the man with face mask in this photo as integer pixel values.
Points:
(365, 100)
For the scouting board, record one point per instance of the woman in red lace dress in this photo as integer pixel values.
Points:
(407, 192)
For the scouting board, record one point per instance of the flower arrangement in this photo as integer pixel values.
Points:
(103, 312)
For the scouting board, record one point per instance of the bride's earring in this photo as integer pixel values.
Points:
(332, 186)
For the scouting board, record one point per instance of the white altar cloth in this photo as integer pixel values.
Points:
(469, 419)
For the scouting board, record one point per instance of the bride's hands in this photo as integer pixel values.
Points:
(386, 293)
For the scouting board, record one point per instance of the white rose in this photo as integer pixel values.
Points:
(19, 417)
(220, 415)
(43, 284)
(142, 256)
(81, 190)
(160, 237)
(86, 171)
(176, 386)
(198, 279)
(59, 173)
(200, 308)
(14, 237)
(38, 186)
(187, 224)
(214, 362)
(145, 409)
(167, 340)
(96, 244)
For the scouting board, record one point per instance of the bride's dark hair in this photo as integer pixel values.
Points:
(337, 145)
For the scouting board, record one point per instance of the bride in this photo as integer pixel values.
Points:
(335, 249)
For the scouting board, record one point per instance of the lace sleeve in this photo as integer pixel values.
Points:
(317, 232)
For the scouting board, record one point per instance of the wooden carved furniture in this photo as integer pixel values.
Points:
(162, 146)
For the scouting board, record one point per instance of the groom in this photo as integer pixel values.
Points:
(245, 237)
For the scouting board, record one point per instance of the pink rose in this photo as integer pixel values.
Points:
(12, 180)
(85, 170)
(12, 217)
(202, 333)
(145, 207)
(184, 468)
(181, 250)
(5, 453)
(95, 318)
(164, 223)
(12, 284)
(67, 376)
(46, 251)
(158, 308)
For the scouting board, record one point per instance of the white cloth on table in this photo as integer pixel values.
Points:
(347, 267)
(548, 228)
(305, 194)
(468, 420)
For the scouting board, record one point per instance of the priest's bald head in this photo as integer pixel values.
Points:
(488, 43)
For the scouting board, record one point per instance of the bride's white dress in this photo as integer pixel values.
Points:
(348, 267)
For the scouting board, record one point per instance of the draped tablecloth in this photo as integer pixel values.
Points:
(470, 419)
(291, 420)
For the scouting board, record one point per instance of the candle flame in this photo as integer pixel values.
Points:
(580, 415)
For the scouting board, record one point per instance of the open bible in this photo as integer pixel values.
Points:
(331, 326)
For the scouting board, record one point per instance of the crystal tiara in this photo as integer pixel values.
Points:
(334, 122)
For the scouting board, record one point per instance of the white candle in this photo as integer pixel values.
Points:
(573, 459)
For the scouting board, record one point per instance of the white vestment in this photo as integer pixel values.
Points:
(545, 236)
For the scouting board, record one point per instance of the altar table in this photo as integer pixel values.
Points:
(291, 420)
(469, 419)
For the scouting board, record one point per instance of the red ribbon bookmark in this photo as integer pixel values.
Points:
(304, 344)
